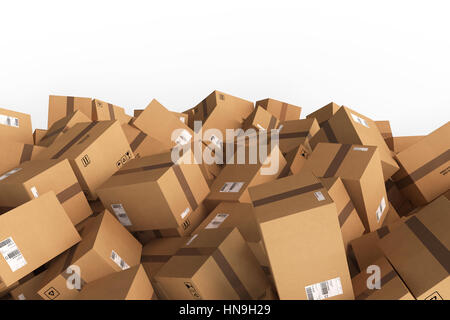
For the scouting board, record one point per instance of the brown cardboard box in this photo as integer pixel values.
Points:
(28, 290)
(38, 177)
(141, 144)
(391, 216)
(260, 119)
(402, 143)
(419, 251)
(234, 180)
(137, 112)
(425, 167)
(184, 118)
(38, 134)
(16, 126)
(213, 265)
(359, 168)
(300, 229)
(296, 159)
(385, 129)
(190, 113)
(33, 234)
(447, 194)
(402, 205)
(154, 193)
(296, 132)
(391, 285)
(131, 284)
(106, 247)
(104, 111)
(172, 133)
(61, 106)
(281, 110)
(349, 221)
(349, 127)
(323, 114)
(61, 126)
(95, 150)
(16, 153)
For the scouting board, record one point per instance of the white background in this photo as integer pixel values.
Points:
(386, 59)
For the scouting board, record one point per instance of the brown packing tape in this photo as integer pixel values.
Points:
(287, 194)
(111, 111)
(145, 168)
(337, 161)
(345, 213)
(69, 192)
(385, 279)
(205, 109)
(329, 132)
(52, 133)
(26, 153)
(137, 141)
(272, 123)
(70, 105)
(424, 170)
(283, 111)
(292, 135)
(382, 232)
(74, 140)
(352, 258)
(430, 241)
(185, 186)
(389, 184)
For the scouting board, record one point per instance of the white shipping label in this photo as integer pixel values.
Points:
(119, 261)
(9, 121)
(121, 214)
(319, 195)
(380, 209)
(217, 221)
(12, 254)
(360, 149)
(183, 138)
(191, 239)
(185, 213)
(360, 120)
(217, 142)
(232, 187)
(6, 175)
(34, 192)
(182, 119)
(21, 297)
(324, 290)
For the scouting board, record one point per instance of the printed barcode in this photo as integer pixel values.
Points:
(232, 186)
(5, 243)
(16, 122)
(324, 287)
(122, 264)
(216, 222)
(116, 206)
(8, 121)
(113, 255)
(122, 215)
(13, 254)
(224, 186)
(309, 293)
(222, 215)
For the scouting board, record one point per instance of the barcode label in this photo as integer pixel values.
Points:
(324, 290)
(319, 195)
(360, 120)
(232, 187)
(380, 209)
(217, 142)
(34, 192)
(191, 239)
(119, 261)
(9, 121)
(185, 213)
(217, 221)
(360, 149)
(121, 214)
(12, 254)
(183, 138)
(6, 175)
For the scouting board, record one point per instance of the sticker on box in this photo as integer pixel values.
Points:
(185, 213)
(191, 239)
(183, 138)
(34, 192)
(380, 209)
(9, 121)
(232, 187)
(217, 221)
(360, 120)
(121, 214)
(319, 195)
(324, 290)
(21, 297)
(360, 149)
(6, 175)
(12, 254)
(182, 119)
(119, 261)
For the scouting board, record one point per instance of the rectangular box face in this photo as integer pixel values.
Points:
(16, 126)
(63, 106)
(281, 110)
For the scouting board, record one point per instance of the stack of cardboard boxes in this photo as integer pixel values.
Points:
(167, 205)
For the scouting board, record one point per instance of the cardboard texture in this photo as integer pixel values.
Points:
(38, 134)
(62, 106)
(296, 132)
(402, 143)
(260, 119)
(141, 144)
(104, 111)
(16, 153)
(281, 110)
(16, 126)
(323, 114)
(28, 290)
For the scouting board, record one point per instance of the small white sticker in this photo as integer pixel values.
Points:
(182, 119)
(380, 209)
(324, 290)
(6, 175)
(12, 254)
(319, 195)
(119, 261)
(360, 149)
(185, 213)
(121, 214)
(360, 120)
(217, 142)
(191, 239)
(217, 221)
(183, 138)
(21, 297)
(260, 127)
(34, 192)
(9, 121)
(232, 187)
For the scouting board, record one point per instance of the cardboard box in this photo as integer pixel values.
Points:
(425, 167)
(391, 285)
(39, 177)
(419, 251)
(402, 143)
(141, 144)
(95, 150)
(106, 247)
(296, 132)
(33, 234)
(349, 221)
(131, 284)
(323, 114)
(16, 153)
(295, 160)
(61, 126)
(296, 215)
(154, 193)
(184, 118)
(16, 126)
(104, 111)
(61, 106)
(349, 127)
(402, 205)
(137, 112)
(386, 132)
(359, 168)
(391, 216)
(213, 265)
(28, 290)
(281, 110)
(260, 119)
(38, 134)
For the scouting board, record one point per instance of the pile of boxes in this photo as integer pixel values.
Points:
(159, 205)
